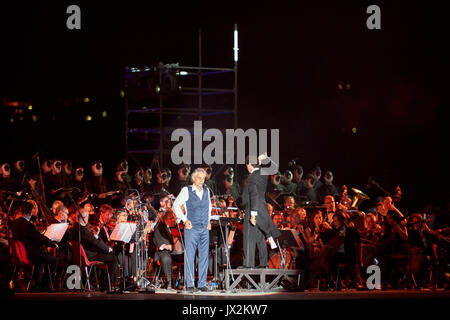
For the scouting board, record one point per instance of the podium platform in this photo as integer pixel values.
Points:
(267, 280)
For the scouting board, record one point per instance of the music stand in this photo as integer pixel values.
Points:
(288, 239)
(123, 232)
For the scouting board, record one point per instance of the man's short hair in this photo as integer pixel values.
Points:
(104, 208)
(196, 171)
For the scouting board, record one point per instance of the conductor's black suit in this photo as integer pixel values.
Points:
(253, 197)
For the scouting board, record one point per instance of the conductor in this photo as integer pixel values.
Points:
(257, 222)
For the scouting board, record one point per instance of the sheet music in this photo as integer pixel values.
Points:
(123, 232)
(297, 239)
(56, 231)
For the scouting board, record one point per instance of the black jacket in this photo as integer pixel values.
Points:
(32, 239)
(90, 244)
(162, 235)
(253, 197)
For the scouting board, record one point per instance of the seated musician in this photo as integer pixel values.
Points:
(278, 220)
(125, 252)
(342, 242)
(289, 203)
(391, 252)
(167, 245)
(372, 228)
(330, 205)
(380, 213)
(23, 230)
(296, 220)
(95, 248)
(165, 204)
(89, 207)
(315, 228)
(105, 213)
(421, 240)
(64, 254)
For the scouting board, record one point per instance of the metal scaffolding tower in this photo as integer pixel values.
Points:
(162, 98)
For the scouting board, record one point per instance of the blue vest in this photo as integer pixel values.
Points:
(198, 209)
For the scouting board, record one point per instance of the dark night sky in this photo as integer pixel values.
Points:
(291, 61)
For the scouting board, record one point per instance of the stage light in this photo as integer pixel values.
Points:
(86, 99)
(144, 108)
(88, 118)
(122, 93)
(34, 117)
(354, 130)
(158, 89)
(11, 120)
(30, 107)
(340, 86)
(236, 49)
(347, 86)
(182, 73)
(104, 114)
(20, 118)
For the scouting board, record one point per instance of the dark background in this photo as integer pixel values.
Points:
(291, 61)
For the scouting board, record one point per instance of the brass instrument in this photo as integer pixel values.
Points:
(358, 198)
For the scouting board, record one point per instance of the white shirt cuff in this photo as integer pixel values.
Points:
(254, 213)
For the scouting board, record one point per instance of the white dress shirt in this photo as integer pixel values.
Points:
(254, 213)
(183, 197)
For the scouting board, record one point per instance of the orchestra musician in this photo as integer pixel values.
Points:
(391, 251)
(105, 213)
(138, 180)
(182, 179)
(95, 248)
(120, 183)
(77, 181)
(55, 182)
(287, 185)
(424, 243)
(97, 184)
(209, 181)
(7, 183)
(328, 188)
(196, 200)
(339, 247)
(159, 185)
(23, 230)
(166, 245)
(308, 193)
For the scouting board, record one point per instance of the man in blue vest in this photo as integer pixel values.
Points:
(197, 204)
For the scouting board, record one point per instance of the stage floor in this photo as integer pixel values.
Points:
(162, 294)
